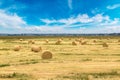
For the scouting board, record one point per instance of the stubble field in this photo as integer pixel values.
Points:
(88, 61)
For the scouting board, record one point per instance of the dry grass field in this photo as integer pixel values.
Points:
(87, 59)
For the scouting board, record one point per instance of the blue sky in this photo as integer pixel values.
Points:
(59, 16)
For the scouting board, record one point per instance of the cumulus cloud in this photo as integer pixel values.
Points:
(7, 20)
(113, 6)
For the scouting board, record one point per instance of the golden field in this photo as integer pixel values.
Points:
(90, 61)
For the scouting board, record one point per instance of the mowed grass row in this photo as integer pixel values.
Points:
(89, 59)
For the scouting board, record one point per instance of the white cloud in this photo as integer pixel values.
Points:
(79, 19)
(43, 29)
(7, 20)
(47, 21)
(114, 28)
(100, 18)
(70, 4)
(97, 24)
(79, 24)
(113, 6)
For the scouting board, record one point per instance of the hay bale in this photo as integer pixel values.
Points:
(21, 39)
(77, 40)
(83, 43)
(74, 43)
(118, 40)
(16, 48)
(90, 77)
(80, 41)
(81, 38)
(46, 55)
(36, 49)
(58, 42)
(69, 39)
(108, 38)
(105, 45)
(47, 41)
(94, 41)
(31, 42)
(62, 38)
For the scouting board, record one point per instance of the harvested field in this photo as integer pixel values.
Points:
(90, 61)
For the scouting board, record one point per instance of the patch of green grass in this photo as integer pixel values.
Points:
(106, 54)
(86, 76)
(87, 59)
(66, 54)
(4, 65)
(31, 61)
(71, 54)
(115, 54)
(17, 76)
(4, 49)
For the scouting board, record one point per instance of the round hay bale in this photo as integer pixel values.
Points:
(62, 38)
(118, 40)
(83, 43)
(80, 41)
(81, 38)
(36, 49)
(58, 42)
(69, 39)
(46, 55)
(108, 38)
(74, 43)
(94, 41)
(105, 45)
(21, 39)
(90, 77)
(76, 39)
(16, 48)
(31, 42)
(47, 41)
